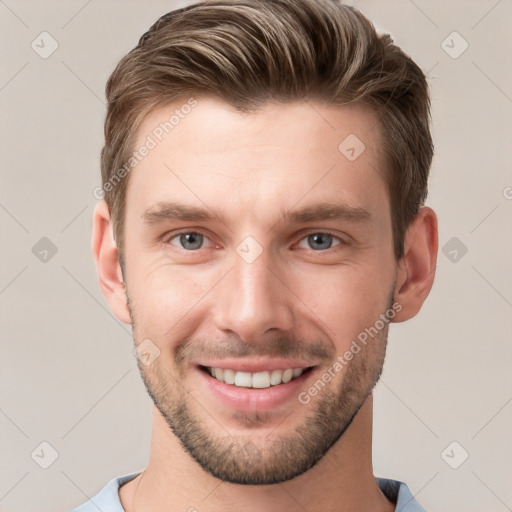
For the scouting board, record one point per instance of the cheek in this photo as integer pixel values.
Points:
(346, 300)
(167, 298)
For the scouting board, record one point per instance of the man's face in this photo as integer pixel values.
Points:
(270, 278)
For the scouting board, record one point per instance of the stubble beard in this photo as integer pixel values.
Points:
(242, 459)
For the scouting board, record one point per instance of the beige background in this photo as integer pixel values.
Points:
(68, 376)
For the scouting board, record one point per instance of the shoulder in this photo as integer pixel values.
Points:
(399, 493)
(107, 499)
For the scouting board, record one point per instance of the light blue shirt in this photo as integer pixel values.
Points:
(107, 500)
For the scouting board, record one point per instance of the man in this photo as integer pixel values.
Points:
(265, 170)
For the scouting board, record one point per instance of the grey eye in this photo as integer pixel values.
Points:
(189, 241)
(320, 241)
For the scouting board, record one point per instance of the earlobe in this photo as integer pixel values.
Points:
(417, 267)
(107, 263)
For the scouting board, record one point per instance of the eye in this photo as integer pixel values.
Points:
(320, 241)
(189, 241)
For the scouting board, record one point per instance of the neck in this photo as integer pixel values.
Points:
(343, 480)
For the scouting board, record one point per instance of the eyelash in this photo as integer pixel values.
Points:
(167, 240)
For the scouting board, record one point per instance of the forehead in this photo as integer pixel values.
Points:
(207, 154)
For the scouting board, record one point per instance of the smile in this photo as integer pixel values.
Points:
(257, 380)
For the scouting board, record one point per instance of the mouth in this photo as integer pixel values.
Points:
(254, 386)
(256, 380)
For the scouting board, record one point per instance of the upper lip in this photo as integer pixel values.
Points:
(256, 365)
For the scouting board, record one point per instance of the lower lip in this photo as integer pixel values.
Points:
(253, 399)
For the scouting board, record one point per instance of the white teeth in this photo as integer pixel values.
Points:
(287, 375)
(242, 379)
(257, 380)
(261, 380)
(229, 376)
(275, 377)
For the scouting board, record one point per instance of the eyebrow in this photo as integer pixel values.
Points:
(329, 211)
(173, 211)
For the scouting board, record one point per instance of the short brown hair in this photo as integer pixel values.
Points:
(248, 52)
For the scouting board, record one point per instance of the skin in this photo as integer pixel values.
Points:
(251, 169)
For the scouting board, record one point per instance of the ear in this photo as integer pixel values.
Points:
(417, 267)
(107, 263)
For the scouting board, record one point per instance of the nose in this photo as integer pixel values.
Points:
(253, 301)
